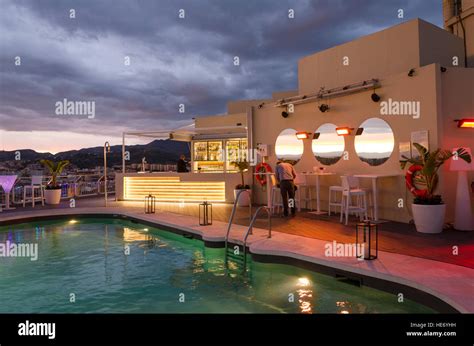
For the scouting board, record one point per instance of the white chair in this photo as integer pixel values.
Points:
(351, 190)
(277, 201)
(36, 184)
(301, 183)
(334, 192)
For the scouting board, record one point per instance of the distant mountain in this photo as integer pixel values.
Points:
(158, 151)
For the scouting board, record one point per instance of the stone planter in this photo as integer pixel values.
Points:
(52, 196)
(429, 218)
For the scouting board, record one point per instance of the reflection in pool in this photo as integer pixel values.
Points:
(375, 145)
(162, 273)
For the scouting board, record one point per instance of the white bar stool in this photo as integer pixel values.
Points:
(301, 183)
(334, 191)
(36, 183)
(277, 201)
(350, 190)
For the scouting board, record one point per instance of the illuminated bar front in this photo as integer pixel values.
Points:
(176, 187)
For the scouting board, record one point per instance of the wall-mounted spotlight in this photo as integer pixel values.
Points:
(375, 97)
(285, 114)
(465, 123)
(238, 124)
(443, 69)
(359, 131)
(411, 73)
(343, 131)
(261, 105)
(302, 135)
(316, 135)
(323, 108)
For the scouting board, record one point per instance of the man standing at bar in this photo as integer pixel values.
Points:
(285, 175)
(182, 164)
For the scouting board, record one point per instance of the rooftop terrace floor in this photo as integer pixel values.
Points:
(394, 237)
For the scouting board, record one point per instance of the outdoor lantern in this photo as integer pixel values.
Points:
(367, 241)
(150, 204)
(206, 218)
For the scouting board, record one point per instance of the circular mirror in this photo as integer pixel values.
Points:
(375, 145)
(288, 147)
(327, 146)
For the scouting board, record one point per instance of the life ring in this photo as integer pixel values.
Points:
(262, 167)
(409, 181)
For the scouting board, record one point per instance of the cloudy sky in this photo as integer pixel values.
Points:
(172, 60)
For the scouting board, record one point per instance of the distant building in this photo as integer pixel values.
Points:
(459, 20)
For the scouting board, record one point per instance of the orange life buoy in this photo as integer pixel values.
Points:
(262, 167)
(409, 181)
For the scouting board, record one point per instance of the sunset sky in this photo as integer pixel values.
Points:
(172, 60)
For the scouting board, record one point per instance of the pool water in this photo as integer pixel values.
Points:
(117, 266)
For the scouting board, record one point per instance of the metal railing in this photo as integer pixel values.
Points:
(269, 214)
(71, 186)
(231, 218)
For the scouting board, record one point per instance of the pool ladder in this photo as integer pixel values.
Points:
(249, 230)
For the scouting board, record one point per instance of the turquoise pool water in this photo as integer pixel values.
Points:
(112, 266)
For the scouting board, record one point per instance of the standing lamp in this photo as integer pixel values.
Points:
(463, 216)
(369, 239)
(150, 204)
(205, 221)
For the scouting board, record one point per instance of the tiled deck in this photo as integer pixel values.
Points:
(305, 239)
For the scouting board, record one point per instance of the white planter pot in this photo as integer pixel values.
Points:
(52, 196)
(244, 198)
(429, 218)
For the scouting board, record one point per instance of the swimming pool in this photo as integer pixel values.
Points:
(93, 265)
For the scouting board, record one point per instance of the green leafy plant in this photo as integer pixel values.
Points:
(242, 166)
(55, 169)
(430, 162)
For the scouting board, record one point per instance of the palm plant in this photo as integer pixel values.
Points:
(55, 169)
(242, 166)
(428, 175)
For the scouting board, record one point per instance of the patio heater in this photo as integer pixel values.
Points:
(368, 241)
(150, 203)
(206, 208)
(106, 150)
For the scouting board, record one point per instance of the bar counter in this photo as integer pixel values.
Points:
(176, 187)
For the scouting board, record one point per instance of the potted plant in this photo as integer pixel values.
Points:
(52, 193)
(428, 208)
(244, 198)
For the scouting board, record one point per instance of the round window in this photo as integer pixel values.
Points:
(375, 145)
(327, 146)
(288, 147)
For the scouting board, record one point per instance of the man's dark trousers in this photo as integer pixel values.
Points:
(287, 189)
